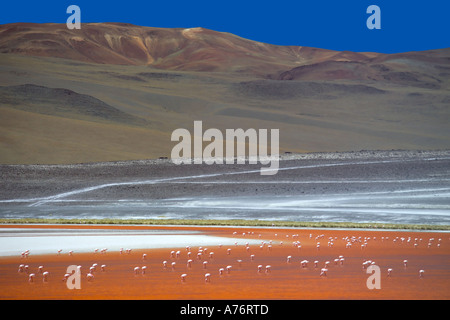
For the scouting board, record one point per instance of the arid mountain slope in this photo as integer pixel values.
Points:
(116, 92)
(194, 49)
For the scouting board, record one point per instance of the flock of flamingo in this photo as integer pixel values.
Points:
(204, 257)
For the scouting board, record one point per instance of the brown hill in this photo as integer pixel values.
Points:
(193, 49)
(116, 92)
(420, 69)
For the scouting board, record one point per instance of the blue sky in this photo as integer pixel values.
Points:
(338, 24)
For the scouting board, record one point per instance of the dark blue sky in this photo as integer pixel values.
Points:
(338, 24)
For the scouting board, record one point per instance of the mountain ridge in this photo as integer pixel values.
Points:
(185, 49)
(142, 83)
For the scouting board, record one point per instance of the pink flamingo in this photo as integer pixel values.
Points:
(389, 272)
(136, 270)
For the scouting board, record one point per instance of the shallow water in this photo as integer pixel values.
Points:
(233, 209)
(48, 241)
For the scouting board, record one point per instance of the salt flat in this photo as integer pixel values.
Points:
(372, 186)
(48, 241)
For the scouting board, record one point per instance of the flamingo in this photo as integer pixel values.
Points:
(207, 277)
(421, 272)
(189, 263)
(268, 268)
(205, 264)
(165, 264)
(289, 259)
(228, 269)
(323, 272)
(389, 272)
(221, 270)
(90, 277)
(183, 277)
(45, 276)
(136, 270)
(405, 263)
(103, 267)
(144, 256)
(21, 268)
(260, 268)
(144, 269)
(31, 277)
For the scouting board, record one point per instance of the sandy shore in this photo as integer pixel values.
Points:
(286, 280)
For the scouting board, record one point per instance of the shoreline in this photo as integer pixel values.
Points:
(225, 223)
